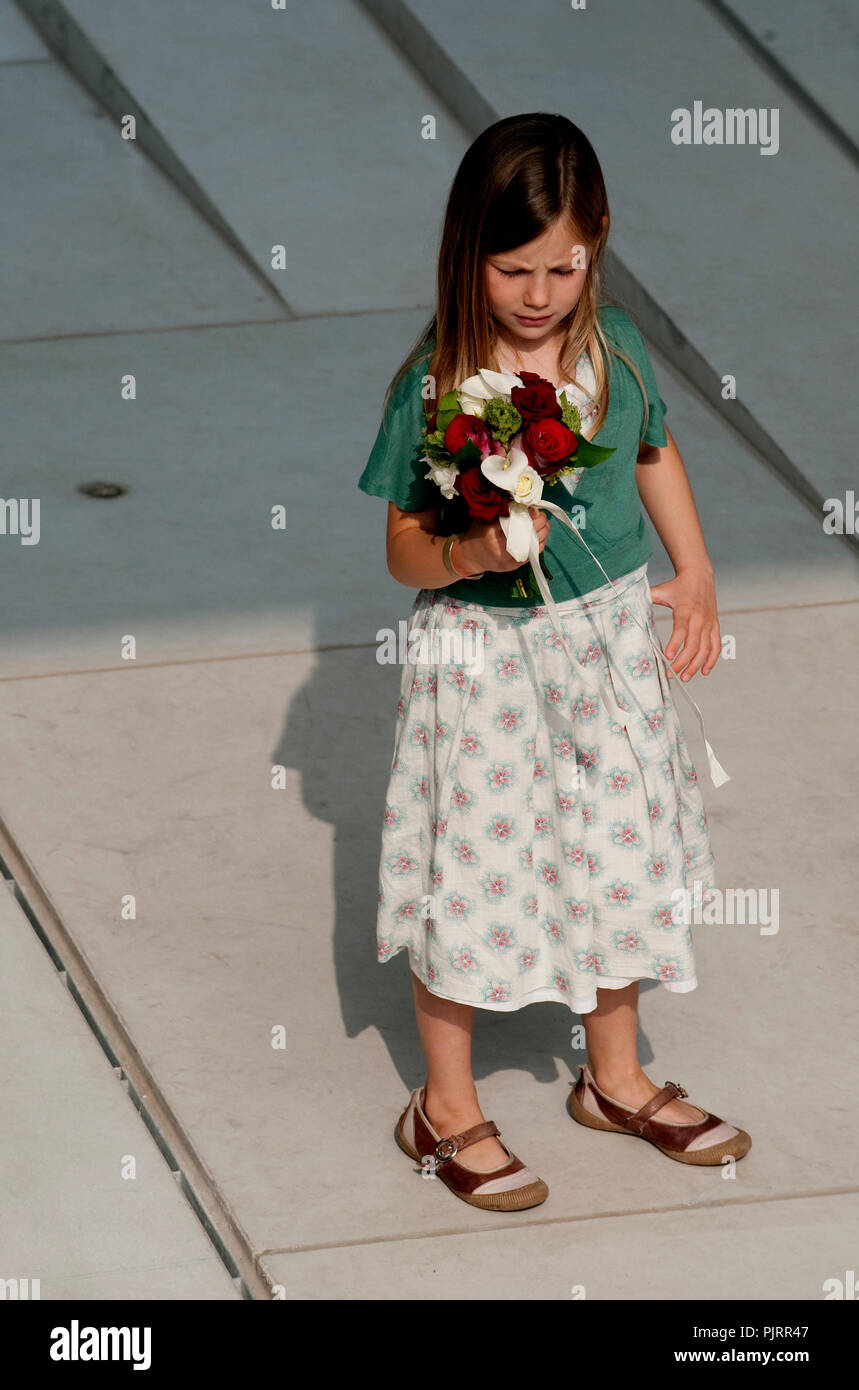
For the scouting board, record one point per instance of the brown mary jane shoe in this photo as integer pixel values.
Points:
(687, 1143)
(510, 1187)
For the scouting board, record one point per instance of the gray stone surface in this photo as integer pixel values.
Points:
(314, 144)
(70, 1218)
(85, 223)
(20, 42)
(777, 1250)
(818, 45)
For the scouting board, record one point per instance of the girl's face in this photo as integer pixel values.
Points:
(534, 287)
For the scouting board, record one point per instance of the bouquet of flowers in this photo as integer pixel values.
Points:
(493, 444)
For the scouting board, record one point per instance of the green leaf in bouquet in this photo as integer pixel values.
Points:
(466, 454)
(588, 455)
(445, 417)
(448, 409)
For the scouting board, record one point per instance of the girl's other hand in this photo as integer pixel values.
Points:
(692, 597)
(486, 543)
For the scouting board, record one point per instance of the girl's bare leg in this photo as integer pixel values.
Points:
(451, 1104)
(613, 1057)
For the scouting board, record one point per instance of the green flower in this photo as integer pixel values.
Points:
(435, 445)
(570, 415)
(502, 418)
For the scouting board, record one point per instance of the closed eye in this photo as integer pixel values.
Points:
(511, 273)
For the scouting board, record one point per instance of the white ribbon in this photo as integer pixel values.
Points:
(512, 527)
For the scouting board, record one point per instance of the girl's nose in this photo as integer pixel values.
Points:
(537, 295)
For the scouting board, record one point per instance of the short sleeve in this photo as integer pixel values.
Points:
(395, 469)
(655, 432)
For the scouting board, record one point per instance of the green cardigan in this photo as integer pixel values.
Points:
(613, 524)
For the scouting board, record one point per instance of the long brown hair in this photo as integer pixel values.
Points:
(516, 179)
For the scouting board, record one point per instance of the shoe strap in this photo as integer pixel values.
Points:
(669, 1091)
(455, 1143)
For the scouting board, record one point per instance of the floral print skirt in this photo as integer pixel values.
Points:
(532, 847)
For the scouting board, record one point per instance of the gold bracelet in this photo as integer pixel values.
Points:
(446, 549)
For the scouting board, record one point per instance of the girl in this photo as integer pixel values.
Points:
(533, 847)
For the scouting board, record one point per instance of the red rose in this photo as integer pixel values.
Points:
(537, 399)
(548, 445)
(465, 427)
(484, 499)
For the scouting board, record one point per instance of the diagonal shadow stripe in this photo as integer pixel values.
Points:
(66, 38)
(765, 57)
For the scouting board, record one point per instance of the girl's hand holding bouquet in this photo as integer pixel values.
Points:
(485, 543)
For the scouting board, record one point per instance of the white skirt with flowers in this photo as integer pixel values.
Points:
(531, 845)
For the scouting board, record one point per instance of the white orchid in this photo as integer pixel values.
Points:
(485, 386)
(442, 474)
(513, 473)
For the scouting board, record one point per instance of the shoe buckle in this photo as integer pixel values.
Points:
(446, 1148)
(678, 1088)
